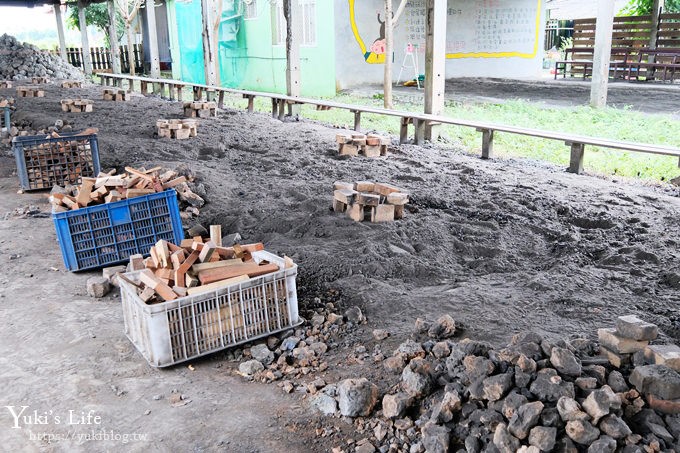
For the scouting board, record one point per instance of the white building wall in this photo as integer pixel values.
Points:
(485, 38)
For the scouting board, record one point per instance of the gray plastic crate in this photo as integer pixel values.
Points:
(183, 329)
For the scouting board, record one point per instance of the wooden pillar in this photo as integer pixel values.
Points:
(435, 61)
(60, 32)
(487, 143)
(291, 10)
(389, 51)
(576, 158)
(87, 58)
(419, 131)
(602, 53)
(357, 120)
(113, 37)
(657, 7)
(153, 41)
(208, 50)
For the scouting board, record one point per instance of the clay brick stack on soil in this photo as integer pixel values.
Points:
(199, 109)
(30, 92)
(77, 105)
(365, 200)
(177, 129)
(115, 95)
(39, 80)
(71, 84)
(4, 84)
(367, 145)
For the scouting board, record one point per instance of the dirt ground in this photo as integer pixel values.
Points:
(503, 246)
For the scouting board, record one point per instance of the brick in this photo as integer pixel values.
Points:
(110, 273)
(372, 140)
(364, 186)
(339, 206)
(237, 270)
(98, 287)
(368, 199)
(621, 345)
(345, 195)
(136, 262)
(182, 134)
(398, 212)
(371, 151)
(164, 291)
(356, 212)
(634, 328)
(207, 251)
(147, 294)
(162, 253)
(397, 198)
(382, 213)
(343, 138)
(664, 354)
(615, 359)
(337, 185)
(386, 189)
(658, 380)
(349, 150)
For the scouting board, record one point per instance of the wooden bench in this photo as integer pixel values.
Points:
(421, 121)
(581, 62)
(655, 64)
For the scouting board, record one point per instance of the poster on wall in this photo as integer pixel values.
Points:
(475, 28)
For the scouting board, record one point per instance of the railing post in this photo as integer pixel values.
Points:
(576, 160)
(419, 136)
(487, 143)
(282, 109)
(220, 100)
(403, 131)
(275, 107)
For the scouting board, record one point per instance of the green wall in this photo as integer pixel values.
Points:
(249, 60)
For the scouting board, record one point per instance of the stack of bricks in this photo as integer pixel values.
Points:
(7, 102)
(178, 129)
(199, 109)
(370, 145)
(77, 105)
(630, 336)
(39, 80)
(115, 95)
(365, 200)
(5, 84)
(30, 92)
(71, 84)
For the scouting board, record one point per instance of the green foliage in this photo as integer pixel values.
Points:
(97, 15)
(642, 7)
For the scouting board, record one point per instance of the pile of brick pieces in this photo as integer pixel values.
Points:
(178, 129)
(30, 92)
(628, 345)
(7, 102)
(195, 266)
(115, 95)
(4, 84)
(365, 200)
(71, 84)
(39, 80)
(199, 109)
(77, 105)
(109, 187)
(370, 145)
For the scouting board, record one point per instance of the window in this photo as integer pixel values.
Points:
(250, 11)
(308, 19)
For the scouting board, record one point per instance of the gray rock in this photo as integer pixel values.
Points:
(495, 387)
(324, 404)
(410, 349)
(98, 287)
(394, 364)
(357, 397)
(250, 367)
(354, 315)
(636, 329)
(565, 362)
(289, 343)
(600, 402)
(617, 382)
(472, 444)
(504, 441)
(661, 432)
(548, 386)
(658, 380)
(570, 410)
(511, 403)
(443, 327)
(477, 367)
(525, 418)
(565, 445)
(261, 352)
(604, 444)
(582, 432)
(543, 437)
(415, 379)
(394, 406)
(318, 320)
(380, 334)
(550, 417)
(614, 427)
(444, 410)
(441, 350)
(436, 438)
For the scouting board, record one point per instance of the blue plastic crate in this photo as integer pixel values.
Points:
(44, 161)
(108, 234)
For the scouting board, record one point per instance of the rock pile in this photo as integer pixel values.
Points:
(533, 395)
(24, 61)
(24, 128)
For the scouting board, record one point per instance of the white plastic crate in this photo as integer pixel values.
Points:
(188, 327)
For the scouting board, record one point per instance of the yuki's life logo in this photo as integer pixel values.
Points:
(23, 416)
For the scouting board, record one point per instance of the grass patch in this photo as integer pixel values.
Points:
(618, 124)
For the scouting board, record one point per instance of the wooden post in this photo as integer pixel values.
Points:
(657, 7)
(487, 143)
(435, 60)
(403, 130)
(153, 42)
(208, 50)
(291, 10)
(357, 120)
(389, 49)
(602, 53)
(87, 58)
(60, 32)
(419, 134)
(113, 38)
(576, 160)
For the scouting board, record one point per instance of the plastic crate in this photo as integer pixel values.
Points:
(171, 332)
(108, 234)
(44, 161)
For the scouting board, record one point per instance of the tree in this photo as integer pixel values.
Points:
(642, 7)
(128, 11)
(391, 20)
(96, 15)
